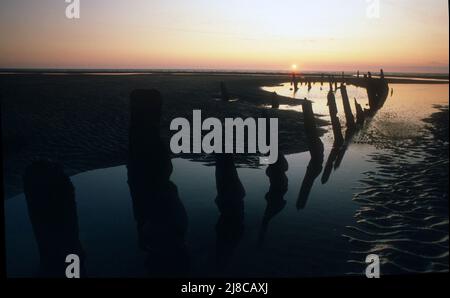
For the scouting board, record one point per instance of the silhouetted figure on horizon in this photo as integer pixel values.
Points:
(357, 74)
(381, 73)
(275, 196)
(50, 197)
(159, 213)
(230, 202)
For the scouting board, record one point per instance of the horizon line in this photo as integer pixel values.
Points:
(217, 70)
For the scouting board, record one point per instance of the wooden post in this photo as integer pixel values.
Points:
(360, 115)
(160, 215)
(350, 120)
(315, 145)
(338, 138)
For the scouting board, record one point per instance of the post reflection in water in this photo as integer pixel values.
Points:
(50, 197)
(275, 196)
(316, 149)
(230, 202)
(159, 213)
(349, 133)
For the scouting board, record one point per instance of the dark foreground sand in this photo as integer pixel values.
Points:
(82, 120)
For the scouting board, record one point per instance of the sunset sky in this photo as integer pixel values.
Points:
(409, 35)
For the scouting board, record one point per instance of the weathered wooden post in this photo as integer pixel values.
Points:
(338, 138)
(377, 92)
(350, 120)
(360, 115)
(315, 145)
(316, 150)
(160, 215)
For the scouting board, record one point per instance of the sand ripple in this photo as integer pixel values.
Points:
(403, 215)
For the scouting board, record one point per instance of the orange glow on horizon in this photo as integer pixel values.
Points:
(227, 35)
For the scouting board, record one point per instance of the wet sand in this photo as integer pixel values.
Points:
(403, 214)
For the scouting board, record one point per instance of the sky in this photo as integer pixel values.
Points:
(339, 35)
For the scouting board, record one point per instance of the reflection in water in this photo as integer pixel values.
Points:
(230, 202)
(349, 134)
(316, 149)
(159, 213)
(312, 172)
(275, 196)
(329, 164)
(50, 198)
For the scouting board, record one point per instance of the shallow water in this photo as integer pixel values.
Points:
(318, 240)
